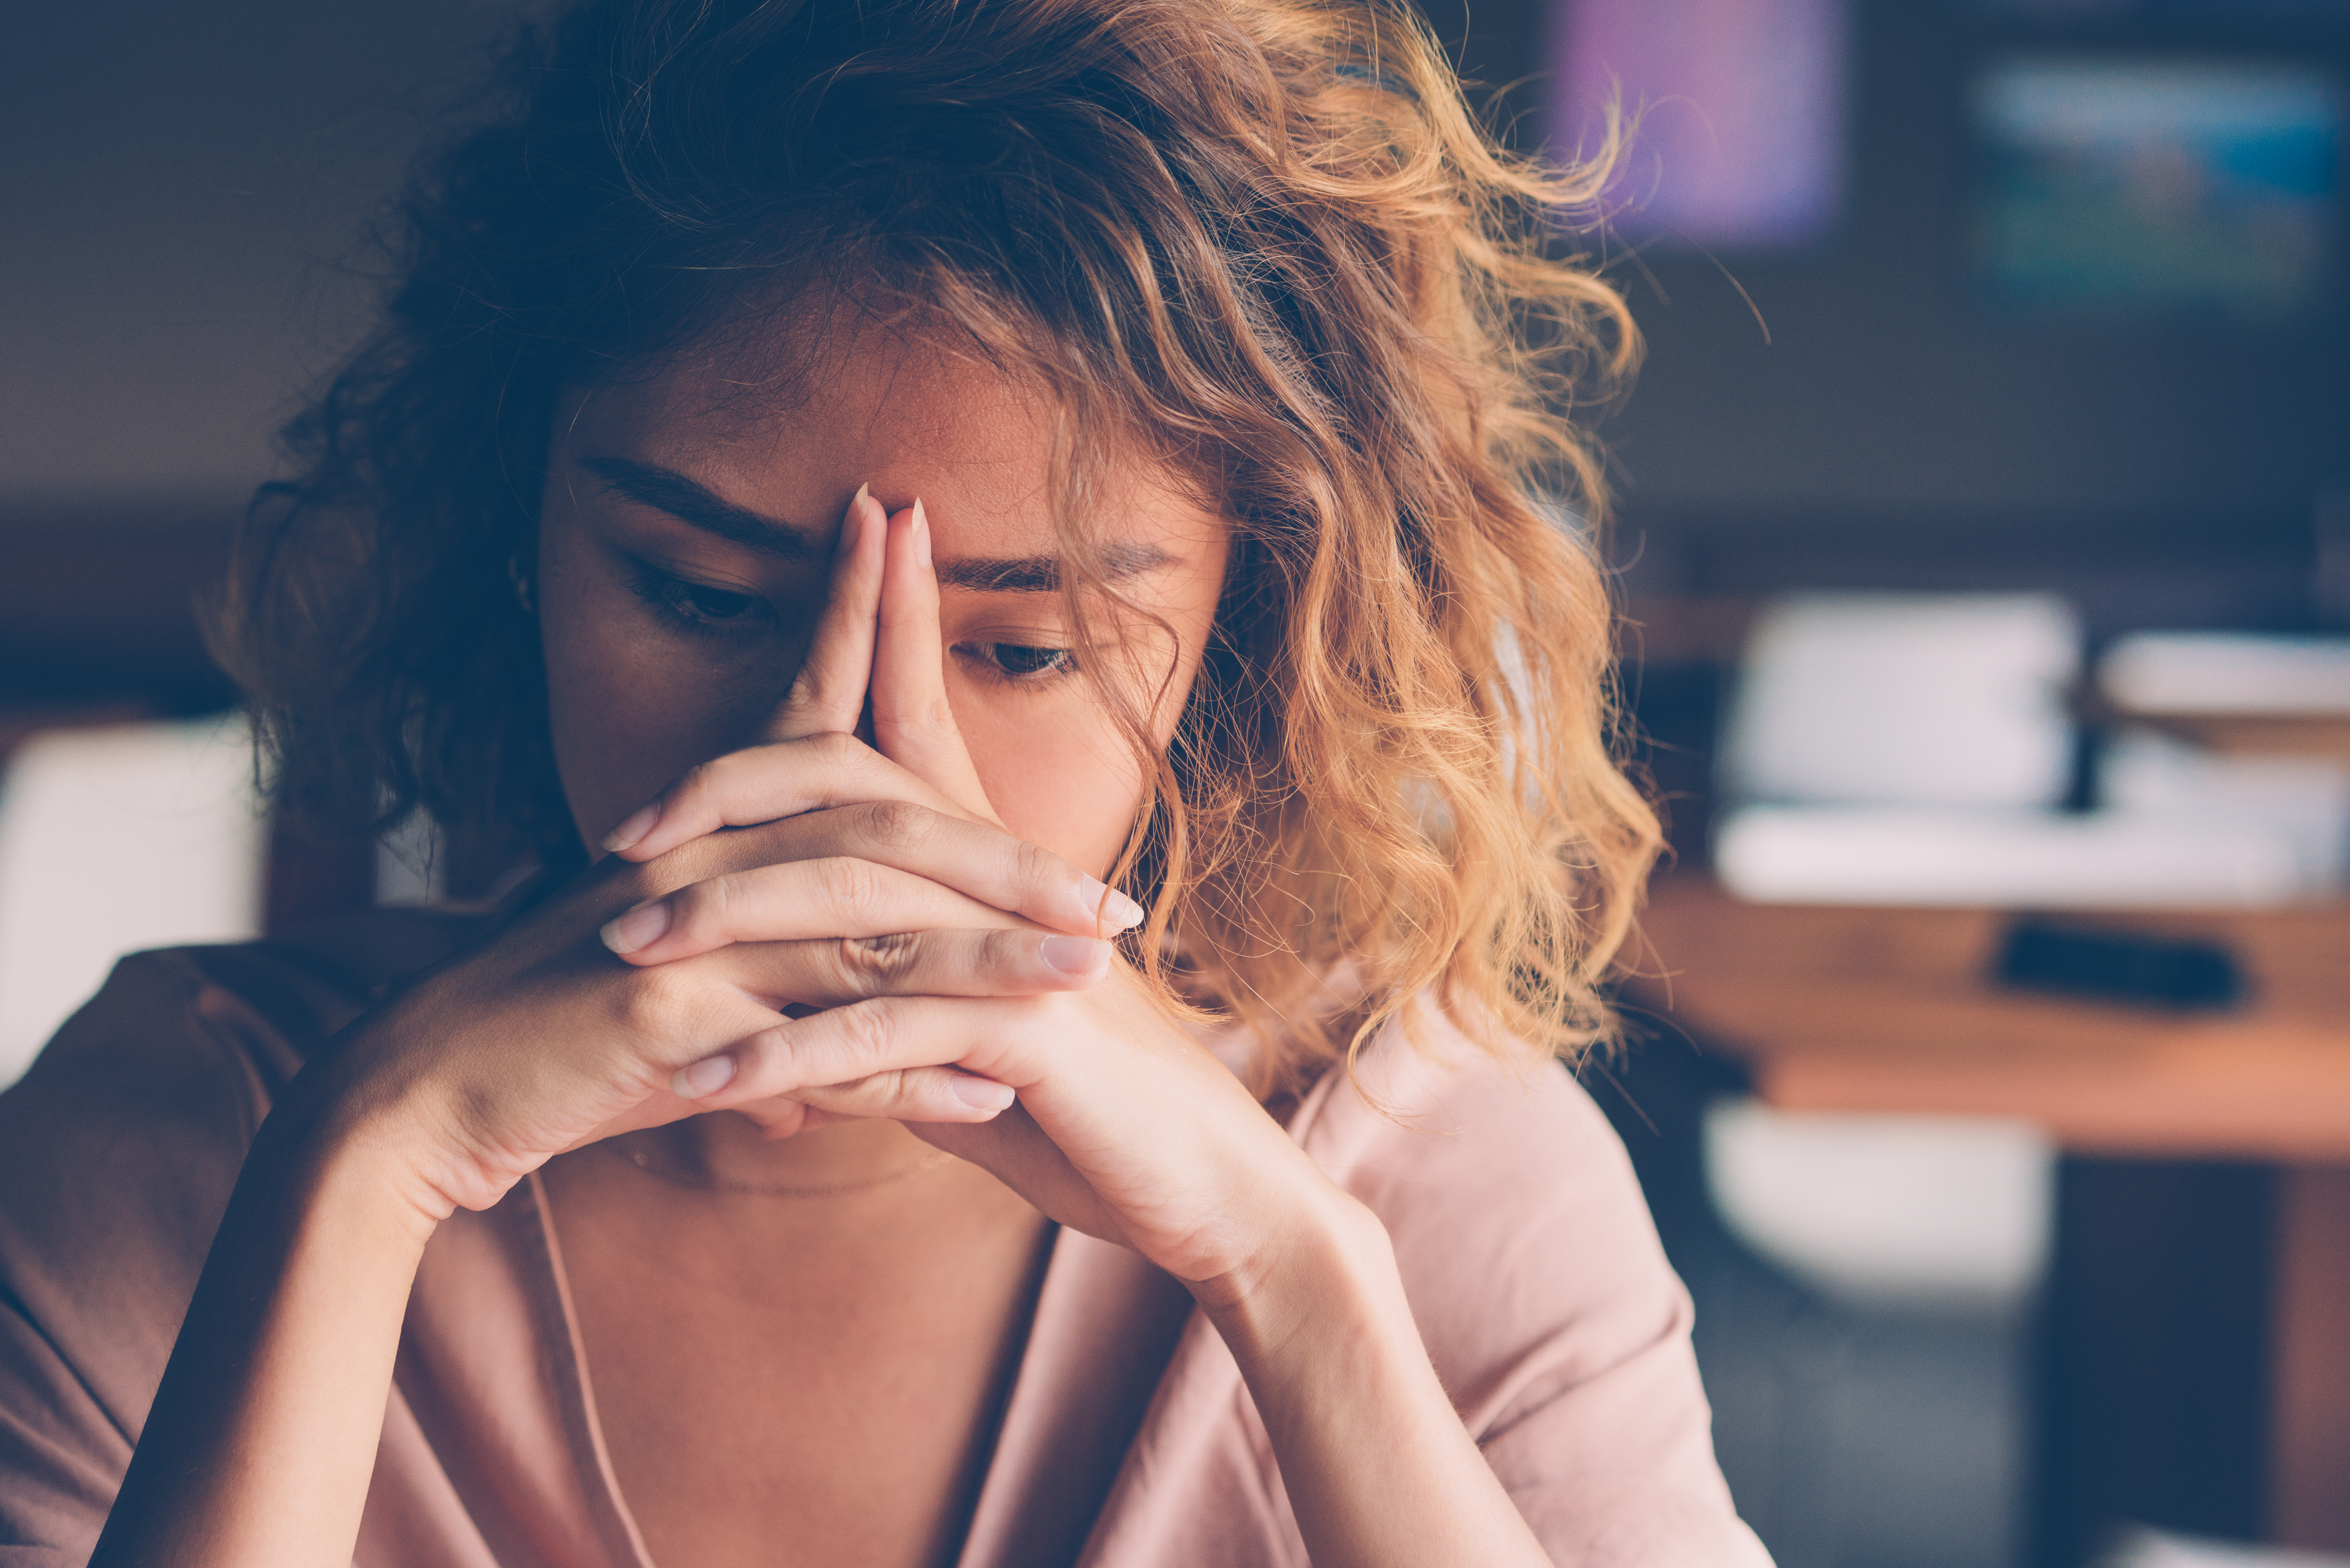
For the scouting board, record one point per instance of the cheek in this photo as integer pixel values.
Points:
(1058, 767)
(626, 713)
(1068, 781)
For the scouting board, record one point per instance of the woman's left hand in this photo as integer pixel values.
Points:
(1125, 1128)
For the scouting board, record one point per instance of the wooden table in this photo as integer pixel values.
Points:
(1878, 1010)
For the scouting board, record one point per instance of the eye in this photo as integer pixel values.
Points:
(1019, 660)
(714, 604)
(698, 606)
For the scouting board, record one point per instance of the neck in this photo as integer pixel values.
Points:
(730, 1152)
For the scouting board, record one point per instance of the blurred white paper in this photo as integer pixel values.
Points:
(1946, 1211)
(1941, 700)
(2228, 672)
(1857, 854)
(2148, 777)
(111, 840)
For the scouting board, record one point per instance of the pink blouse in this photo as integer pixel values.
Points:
(1130, 1439)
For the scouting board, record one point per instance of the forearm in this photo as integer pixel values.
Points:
(258, 1449)
(1377, 1466)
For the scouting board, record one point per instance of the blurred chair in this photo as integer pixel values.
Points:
(1867, 1353)
(1875, 1405)
(113, 839)
(1942, 1213)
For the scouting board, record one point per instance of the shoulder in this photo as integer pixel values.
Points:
(119, 1149)
(1541, 1290)
(1513, 1207)
(209, 1035)
(119, 1145)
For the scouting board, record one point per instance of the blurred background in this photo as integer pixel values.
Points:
(1984, 519)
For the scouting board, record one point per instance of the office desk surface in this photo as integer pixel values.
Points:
(1854, 1009)
(1888, 1010)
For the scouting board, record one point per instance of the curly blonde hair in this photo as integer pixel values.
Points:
(1266, 238)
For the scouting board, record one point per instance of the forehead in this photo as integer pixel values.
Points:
(791, 422)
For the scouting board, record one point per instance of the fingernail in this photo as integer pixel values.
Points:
(852, 522)
(632, 829)
(1106, 904)
(922, 533)
(639, 928)
(980, 1094)
(1072, 955)
(706, 1076)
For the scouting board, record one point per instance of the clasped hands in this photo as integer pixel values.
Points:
(816, 927)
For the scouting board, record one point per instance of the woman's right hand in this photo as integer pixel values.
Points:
(543, 1040)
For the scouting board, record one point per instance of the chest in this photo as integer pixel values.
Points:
(787, 1389)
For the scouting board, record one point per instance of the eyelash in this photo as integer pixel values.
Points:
(673, 599)
(989, 658)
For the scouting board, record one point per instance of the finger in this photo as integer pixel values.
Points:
(829, 693)
(1018, 1153)
(848, 970)
(795, 901)
(840, 1045)
(915, 1094)
(972, 858)
(766, 784)
(913, 723)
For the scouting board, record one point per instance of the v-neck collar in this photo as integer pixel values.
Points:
(1105, 1325)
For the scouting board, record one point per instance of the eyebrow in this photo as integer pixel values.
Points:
(1042, 574)
(667, 491)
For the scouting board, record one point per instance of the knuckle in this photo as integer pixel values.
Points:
(685, 866)
(698, 911)
(712, 908)
(1034, 866)
(838, 748)
(876, 1095)
(852, 887)
(696, 785)
(1004, 956)
(807, 688)
(869, 1034)
(776, 1118)
(928, 712)
(889, 1091)
(899, 824)
(870, 966)
(768, 1061)
(657, 1001)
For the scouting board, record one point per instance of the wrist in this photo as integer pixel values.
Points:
(333, 1149)
(1327, 1273)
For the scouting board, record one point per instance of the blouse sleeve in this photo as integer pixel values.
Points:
(118, 1151)
(1547, 1304)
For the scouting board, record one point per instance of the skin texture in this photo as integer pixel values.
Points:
(815, 957)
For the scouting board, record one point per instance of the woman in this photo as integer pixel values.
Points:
(890, 477)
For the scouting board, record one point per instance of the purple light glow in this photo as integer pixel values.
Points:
(1740, 114)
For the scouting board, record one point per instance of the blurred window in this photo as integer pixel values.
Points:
(113, 839)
